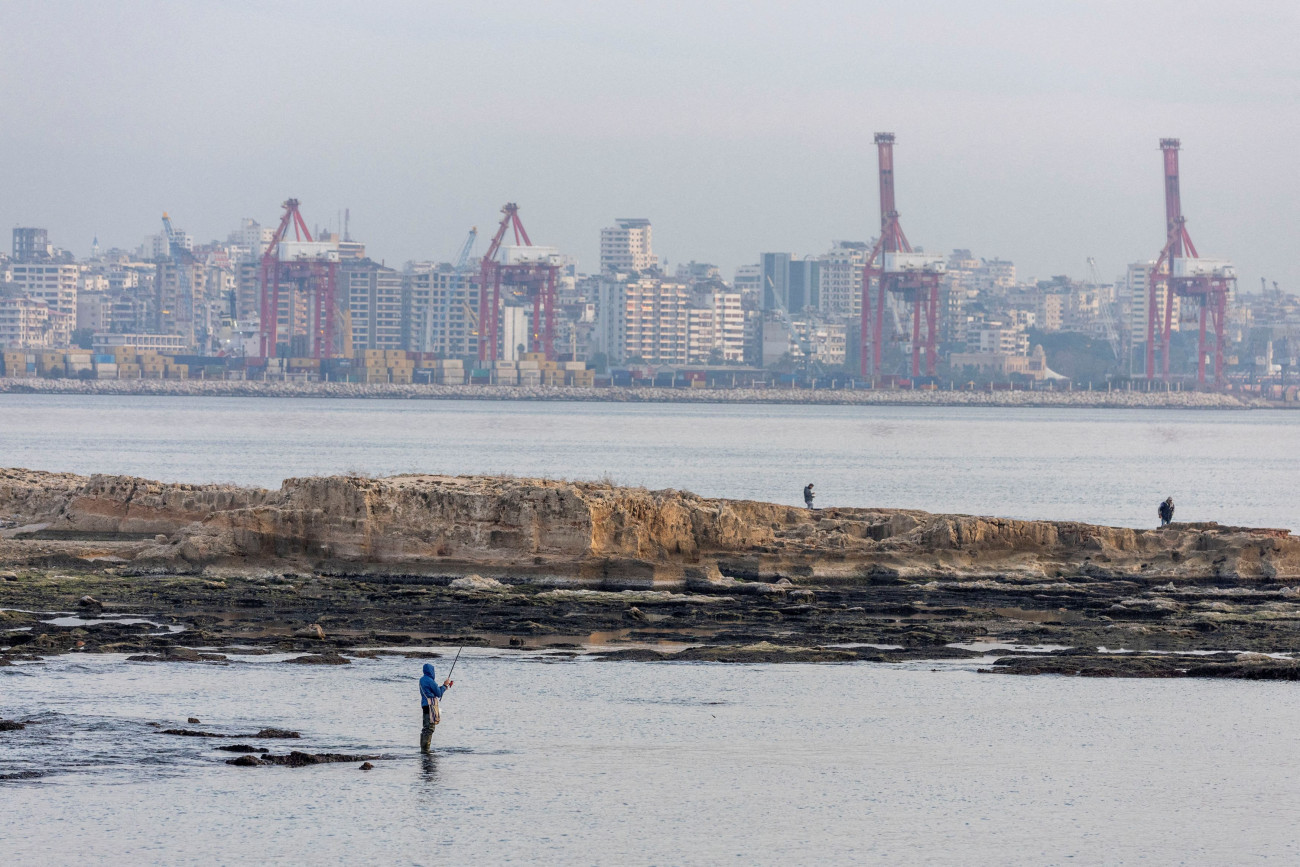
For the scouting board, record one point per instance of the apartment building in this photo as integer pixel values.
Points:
(31, 245)
(840, 291)
(25, 323)
(649, 321)
(1136, 298)
(627, 246)
(373, 295)
(51, 282)
(441, 310)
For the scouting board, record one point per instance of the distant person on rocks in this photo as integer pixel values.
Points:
(808, 495)
(1166, 511)
(430, 692)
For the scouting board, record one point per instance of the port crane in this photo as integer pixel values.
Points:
(528, 267)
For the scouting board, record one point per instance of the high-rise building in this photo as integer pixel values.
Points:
(646, 319)
(804, 285)
(1136, 296)
(749, 283)
(374, 298)
(840, 293)
(627, 247)
(25, 323)
(441, 310)
(716, 329)
(51, 282)
(31, 245)
(182, 306)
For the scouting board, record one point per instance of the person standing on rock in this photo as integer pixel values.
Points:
(808, 495)
(1166, 511)
(430, 692)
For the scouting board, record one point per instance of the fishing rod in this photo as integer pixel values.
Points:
(453, 662)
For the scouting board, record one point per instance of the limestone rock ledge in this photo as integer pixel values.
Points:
(585, 534)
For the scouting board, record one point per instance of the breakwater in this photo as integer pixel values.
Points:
(1097, 399)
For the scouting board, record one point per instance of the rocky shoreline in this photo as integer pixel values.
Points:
(327, 570)
(1100, 399)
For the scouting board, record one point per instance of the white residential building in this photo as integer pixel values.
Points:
(55, 284)
(627, 247)
(1136, 296)
(25, 323)
(840, 295)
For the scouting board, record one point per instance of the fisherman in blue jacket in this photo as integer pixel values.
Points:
(430, 692)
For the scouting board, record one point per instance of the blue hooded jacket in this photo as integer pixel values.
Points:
(429, 686)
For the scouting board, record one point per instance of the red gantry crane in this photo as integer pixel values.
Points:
(1184, 274)
(894, 267)
(529, 271)
(305, 266)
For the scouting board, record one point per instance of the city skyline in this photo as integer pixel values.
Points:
(423, 123)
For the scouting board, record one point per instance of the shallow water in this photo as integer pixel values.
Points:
(1101, 466)
(560, 761)
(543, 758)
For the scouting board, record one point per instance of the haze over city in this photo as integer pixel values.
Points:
(658, 433)
(1025, 130)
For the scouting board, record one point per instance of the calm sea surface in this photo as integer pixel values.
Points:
(554, 760)
(1102, 466)
(586, 762)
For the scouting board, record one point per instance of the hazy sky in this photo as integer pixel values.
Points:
(1026, 130)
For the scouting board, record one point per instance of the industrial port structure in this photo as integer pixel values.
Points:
(894, 268)
(307, 272)
(1184, 274)
(302, 312)
(527, 270)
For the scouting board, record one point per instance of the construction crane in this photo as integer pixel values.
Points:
(531, 270)
(178, 309)
(896, 268)
(1185, 274)
(456, 284)
(1106, 313)
(803, 341)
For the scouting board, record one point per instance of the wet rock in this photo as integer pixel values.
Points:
(177, 654)
(194, 720)
(634, 654)
(478, 583)
(192, 733)
(245, 761)
(320, 659)
(243, 748)
(764, 652)
(367, 766)
(296, 759)
(1086, 664)
(22, 775)
(8, 725)
(277, 733)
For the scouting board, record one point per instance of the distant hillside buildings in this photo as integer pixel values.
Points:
(784, 310)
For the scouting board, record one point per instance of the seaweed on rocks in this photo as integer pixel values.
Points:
(297, 759)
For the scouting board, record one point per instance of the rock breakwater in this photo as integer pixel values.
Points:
(1099, 399)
